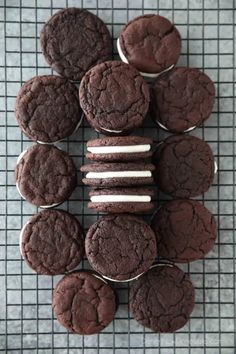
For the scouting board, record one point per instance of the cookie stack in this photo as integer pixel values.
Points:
(115, 99)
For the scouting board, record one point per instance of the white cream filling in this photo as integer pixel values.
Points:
(112, 198)
(118, 149)
(118, 174)
(21, 236)
(57, 141)
(18, 188)
(216, 167)
(164, 127)
(125, 60)
(123, 281)
(110, 130)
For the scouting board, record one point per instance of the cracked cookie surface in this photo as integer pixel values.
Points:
(47, 108)
(74, 40)
(45, 175)
(84, 303)
(114, 98)
(184, 166)
(182, 98)
(185, 230)
(52, 242)
(151, 43)
(162, 299)
(120, 246)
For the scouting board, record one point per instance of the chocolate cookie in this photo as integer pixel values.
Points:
(84, 303)
(106, 175)
(185, 230)
(47, 108)
(119, 148)
(51, 242)
(120, 246)
(162, 299)
(151, 43)
(73, 41)
(121, 200)
(184, 166)
(114, 98)
(182, 99)
(45, 176)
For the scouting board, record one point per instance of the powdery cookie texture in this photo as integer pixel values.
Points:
(84, 303)
(182, 99)
(185, 230)
(119, 148)
(120, 246)
(162, 299)
(74, 40)
(121, 200)
(184, 166)
(114, 97)
(52, 242)
(45, 175)
(117, 174)
(47, 108)
(151, 43)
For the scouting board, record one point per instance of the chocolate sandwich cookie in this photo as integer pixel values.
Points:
(151, 43)
(184, 166)
(120, 246)
(47, 108)
(182, 99)
(185, 230)
(106, 175)
(121, 200)
(119, 148)
(45, 175)
(84, 303)
(74, 40)
(162, 299)
(51, 242)
(114, 98)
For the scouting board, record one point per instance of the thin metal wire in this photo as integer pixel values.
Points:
(122, 341)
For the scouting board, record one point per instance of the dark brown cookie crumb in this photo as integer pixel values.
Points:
(184, 166)
(185, 230)
(52, 242)
(45, 175)
(47, 108)
(120, 246)
(83, 303)
(162, 299)
(74, 40)
(151, 43)
(114, 98)
(182, 99)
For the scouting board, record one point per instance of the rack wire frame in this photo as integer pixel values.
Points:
(27, 324)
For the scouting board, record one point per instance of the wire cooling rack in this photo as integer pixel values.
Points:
(27, 324)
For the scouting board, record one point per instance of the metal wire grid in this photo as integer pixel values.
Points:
(27, 324)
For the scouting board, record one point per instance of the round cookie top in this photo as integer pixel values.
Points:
(114, 98)
(162, 299)
(184, 166)
(74, 40)
(45, 175)
(52, 242)
(118, 174)
(120, 246)
(47, 108)
(182, 99)
(121, 200)
(119, 148)
(185, 230)
(151, 43)
(84, 303)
